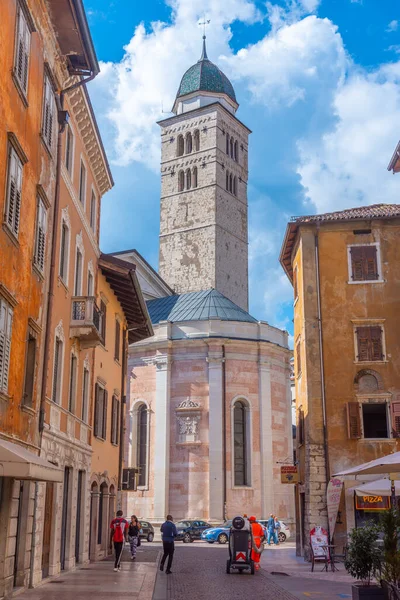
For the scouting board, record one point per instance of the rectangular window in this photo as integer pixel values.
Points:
(103, 310)
(6, 316)
(295, 290)
(64, 250)
(40, 241)
(100, 412)
(369, 344)
(375, 420)
(300, 434)
(78, 274)
(72, 383)
(58, 356)
(90, 284)
(69, 148)
(29, 371)
(82, 184)
(117, 339)
(298, 358)
(364, 263)
(85, 394)
(93, 211)
(22, 51)
(395, 410)
(14, 192)
(48, 113)
(115, 421)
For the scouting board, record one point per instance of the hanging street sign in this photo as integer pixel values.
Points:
(289, 474)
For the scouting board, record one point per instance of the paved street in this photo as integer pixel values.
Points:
(199, 573)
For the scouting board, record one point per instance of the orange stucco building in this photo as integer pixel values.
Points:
(345, 270)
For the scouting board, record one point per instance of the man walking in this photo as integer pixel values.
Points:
(271, 532)
(168, 532)
(118, 534)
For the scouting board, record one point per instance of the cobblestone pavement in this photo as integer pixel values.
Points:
(198, 572)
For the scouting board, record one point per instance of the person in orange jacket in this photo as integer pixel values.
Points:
(258, 537)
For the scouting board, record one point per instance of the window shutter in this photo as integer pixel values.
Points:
(376, 343)
(22, 54)
(117, 404)
(370, 263)
(295, 283)
(363, 336)
(103, 308)
(395, 412)
(56, 369)
(48, 110)
(117, 339)
(6, 315)
(14, 191)
(357, 271)
(96, 410)
(112, 418)
(353, 420)
(105, 404)
(40, 243)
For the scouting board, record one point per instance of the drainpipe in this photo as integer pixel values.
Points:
(62, 122)
(123, 409)
(321, 356)
(224, 434)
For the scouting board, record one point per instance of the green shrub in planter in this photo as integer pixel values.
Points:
(363, 562)
(390, 526)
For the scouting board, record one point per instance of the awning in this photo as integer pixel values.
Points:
(381, 487)
(19, 463)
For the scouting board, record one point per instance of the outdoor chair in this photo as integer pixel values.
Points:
(322, 559)
(340, 557)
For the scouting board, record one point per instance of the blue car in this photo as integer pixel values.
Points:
(218, 534)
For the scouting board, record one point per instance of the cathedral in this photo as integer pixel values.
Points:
(208, 416)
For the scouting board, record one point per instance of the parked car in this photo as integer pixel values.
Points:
(188, 531)
(147, 531)
(284, 532)
(218, 534)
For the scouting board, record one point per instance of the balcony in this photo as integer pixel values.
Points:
(86, 321)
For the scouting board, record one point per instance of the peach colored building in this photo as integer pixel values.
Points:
(209, 408)
(125, 319)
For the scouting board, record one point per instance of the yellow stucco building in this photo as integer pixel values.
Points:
(345, 271)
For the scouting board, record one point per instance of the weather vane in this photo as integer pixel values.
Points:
(205, 23)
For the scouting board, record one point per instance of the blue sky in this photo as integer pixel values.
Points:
(318, 83)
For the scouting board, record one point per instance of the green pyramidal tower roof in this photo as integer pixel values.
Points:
(204, 76)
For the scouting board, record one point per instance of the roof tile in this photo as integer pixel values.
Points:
(374, 211)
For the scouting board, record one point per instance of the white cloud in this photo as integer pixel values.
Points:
(347, 167)
(393, 26)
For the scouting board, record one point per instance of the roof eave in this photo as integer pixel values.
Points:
(394, 160)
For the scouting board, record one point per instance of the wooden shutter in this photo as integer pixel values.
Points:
(395, 412)
(22, 51)
(363, 345)
(117, 417)
(96, 410)
(353, 420)
(376, 343)
(105, 405)
(112, 419)
(48, 112)
(103, 309)
(370, 263)
(68, 149)
(40, 243)
(14, 191)
(295, 283)
(56, 369)
(117, 339)
(82, 184)
(357, 270)
(5, 343)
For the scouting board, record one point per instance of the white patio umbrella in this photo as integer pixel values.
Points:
(380, 487)
(386, 465)
(380, 466)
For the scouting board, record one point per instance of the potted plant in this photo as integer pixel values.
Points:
(390, 526)
(363, 562)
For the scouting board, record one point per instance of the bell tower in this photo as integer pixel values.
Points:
(204, 172)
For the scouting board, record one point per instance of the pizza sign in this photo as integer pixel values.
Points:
(371, 502)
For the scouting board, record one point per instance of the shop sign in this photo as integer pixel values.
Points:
(372, 502)
(333, 493)
(289, 475)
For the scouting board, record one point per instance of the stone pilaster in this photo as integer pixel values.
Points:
(216, 433)
(266, 450)
(315, 492)
(162, 437)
